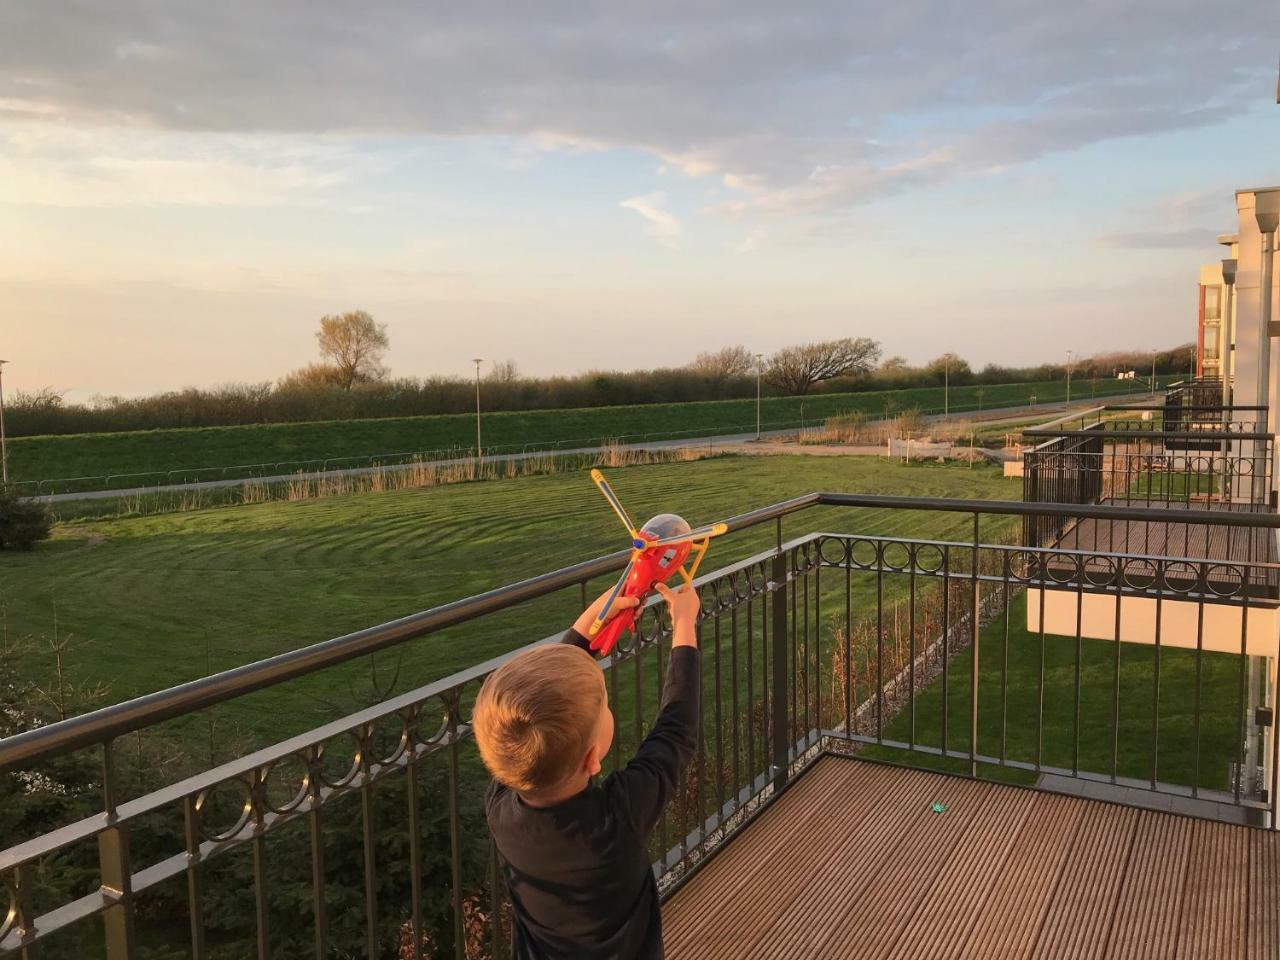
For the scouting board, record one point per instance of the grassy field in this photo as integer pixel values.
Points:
(1052, 742)
(151, 602)
(309, 444)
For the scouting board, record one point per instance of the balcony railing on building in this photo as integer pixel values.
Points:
(365, 836)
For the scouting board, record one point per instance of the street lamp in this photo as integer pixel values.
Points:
(1068, 378)
(477, 361)
(946, 387)
(4, 447)
(759, 371)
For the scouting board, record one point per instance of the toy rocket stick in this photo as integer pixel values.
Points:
(637, 541)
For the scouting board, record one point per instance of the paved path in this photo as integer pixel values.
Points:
(732, 442)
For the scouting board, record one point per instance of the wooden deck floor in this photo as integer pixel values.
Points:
(853, 862)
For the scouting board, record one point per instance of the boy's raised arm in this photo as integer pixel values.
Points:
(643, 787)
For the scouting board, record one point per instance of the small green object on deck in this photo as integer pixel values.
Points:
(939, 808)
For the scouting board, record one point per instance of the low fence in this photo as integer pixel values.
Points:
(365, 836)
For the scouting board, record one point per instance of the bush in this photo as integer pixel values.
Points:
(23, 522)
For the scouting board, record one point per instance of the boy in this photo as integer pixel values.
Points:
(575, 851)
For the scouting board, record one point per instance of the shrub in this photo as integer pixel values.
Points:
(23, 522)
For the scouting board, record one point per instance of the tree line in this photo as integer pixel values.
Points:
(351, 382)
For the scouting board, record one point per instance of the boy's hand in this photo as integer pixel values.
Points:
(685, 604)
(583, 624)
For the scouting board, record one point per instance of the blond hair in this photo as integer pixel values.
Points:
(535, 716)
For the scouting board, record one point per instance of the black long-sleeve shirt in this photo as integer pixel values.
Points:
(579, 875)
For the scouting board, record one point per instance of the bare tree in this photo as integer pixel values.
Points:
(504, 371)
(354, 344)
(720, 365)
(796, 369)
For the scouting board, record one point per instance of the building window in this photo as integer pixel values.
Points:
(1212, 303)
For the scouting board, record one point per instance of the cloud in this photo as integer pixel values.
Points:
(796, 113)
(55, 166)
(663, 225)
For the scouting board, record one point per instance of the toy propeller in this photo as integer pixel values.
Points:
(658, 551)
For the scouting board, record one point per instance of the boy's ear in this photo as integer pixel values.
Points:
(591, 762)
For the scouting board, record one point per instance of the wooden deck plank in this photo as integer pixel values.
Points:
(852, 862)
(1215, 898)
(1084, 903)
(1151, 898)
(1010, 925)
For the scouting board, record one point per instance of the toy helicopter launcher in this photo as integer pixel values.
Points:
(659, 550)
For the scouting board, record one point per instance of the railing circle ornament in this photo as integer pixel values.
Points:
(211, 802)
(834, 551)
(11, 912)
(1099, 571)
(897, 556)
(1180, 576)
(1225, 580)
(1064, 568)
(286, 782)
(864, 554)
(929, 557)
(1138, 572)
(338, 772)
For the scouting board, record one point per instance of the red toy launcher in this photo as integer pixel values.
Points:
(658, 550)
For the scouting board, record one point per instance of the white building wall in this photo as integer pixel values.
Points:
(1248, 306)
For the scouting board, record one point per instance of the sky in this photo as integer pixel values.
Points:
(185, 188)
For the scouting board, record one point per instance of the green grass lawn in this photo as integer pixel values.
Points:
(151, 602)
(298, 444)
(1136, 753)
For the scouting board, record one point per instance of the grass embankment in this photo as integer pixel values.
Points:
(307, 445)
(155, 601)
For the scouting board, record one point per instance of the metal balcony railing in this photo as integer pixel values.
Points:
(365, 836)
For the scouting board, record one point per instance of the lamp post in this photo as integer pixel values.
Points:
(477, 361)
(4, 446)
(1068, 378)
(759, 372)
(946, 387)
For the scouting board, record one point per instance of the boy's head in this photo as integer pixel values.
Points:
(543, 718)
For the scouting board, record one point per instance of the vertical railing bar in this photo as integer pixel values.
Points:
(23, 882)
(778, 684)
(1195, 747)
(911, 640)
(719, 726)
(367, 838)
(879, 557)
(1004, 659)
(1115, 688)
(316, 842)
(195, 876)
(976, 626)
(1081, 568)
(751, 693)
(817, 637)
(660, 678)
(794, 645)
(1243, 705)
(452, 708)
(1044, 572)
(946, 642)
(1155, 692)
(850, 721)
(736, 716)
(415, 842)
(259, 843)
(115, 869)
